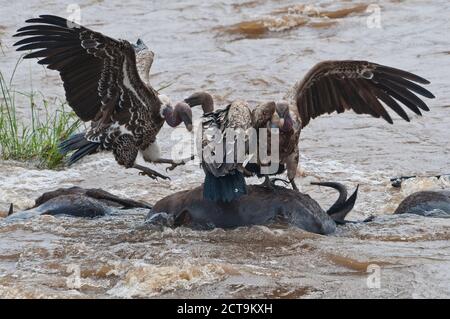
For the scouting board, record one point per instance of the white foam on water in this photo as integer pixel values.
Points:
(119, 259)
(145, 280)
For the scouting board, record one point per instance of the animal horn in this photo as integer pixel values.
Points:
(342, 206)
(339, 216)
(342, 195)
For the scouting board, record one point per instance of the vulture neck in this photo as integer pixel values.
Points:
(204, 99)
(207, 104)
(171, 115)
(288, 124)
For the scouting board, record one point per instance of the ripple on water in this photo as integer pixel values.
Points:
(292, 17)
(144, 280)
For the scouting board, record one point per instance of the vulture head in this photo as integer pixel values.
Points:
(184, 112)
(285, 122)
(263, 114)
(175, 115)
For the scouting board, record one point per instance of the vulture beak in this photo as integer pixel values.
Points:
(184, 111)
(286, 123)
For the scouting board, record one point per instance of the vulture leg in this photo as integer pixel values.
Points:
(267, 183)
(174, 163)
(291, 166)
(149, 172)
(125, 152)
(294, 186)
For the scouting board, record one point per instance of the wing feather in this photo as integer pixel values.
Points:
(360, 86)
(98, 72)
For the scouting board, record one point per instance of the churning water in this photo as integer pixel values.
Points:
(253, 50)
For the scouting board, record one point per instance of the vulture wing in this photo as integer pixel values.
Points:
(361, 86)
(100, 76)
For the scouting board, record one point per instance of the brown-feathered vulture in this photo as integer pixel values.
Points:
(225, 144)
(361, 86)
(106, 83)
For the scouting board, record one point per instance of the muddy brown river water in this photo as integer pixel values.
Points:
(253, 50)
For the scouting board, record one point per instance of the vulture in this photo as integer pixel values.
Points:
(224, 133)
(106, 83)
(336, 86)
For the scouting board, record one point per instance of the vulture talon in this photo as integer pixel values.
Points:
(274, 180)
(145, 171)
(175, 164)
(170, 168)
(147, 174)
(294, 186)
(268, 183)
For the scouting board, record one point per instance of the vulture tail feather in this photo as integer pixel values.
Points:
(80, 145)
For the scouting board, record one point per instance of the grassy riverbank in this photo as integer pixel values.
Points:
(35, 138)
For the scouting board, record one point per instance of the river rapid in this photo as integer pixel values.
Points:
(254, 50)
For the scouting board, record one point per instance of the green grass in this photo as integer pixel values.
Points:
(35, 139)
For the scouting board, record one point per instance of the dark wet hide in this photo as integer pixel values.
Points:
(261, 206)
(426, 203)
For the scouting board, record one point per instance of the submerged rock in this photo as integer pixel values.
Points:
(426, 203)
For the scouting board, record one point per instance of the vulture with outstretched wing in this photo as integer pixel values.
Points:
(332, 86)
(360, 86)
(106, 83)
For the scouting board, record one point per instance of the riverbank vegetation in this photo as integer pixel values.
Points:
(35, 137)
